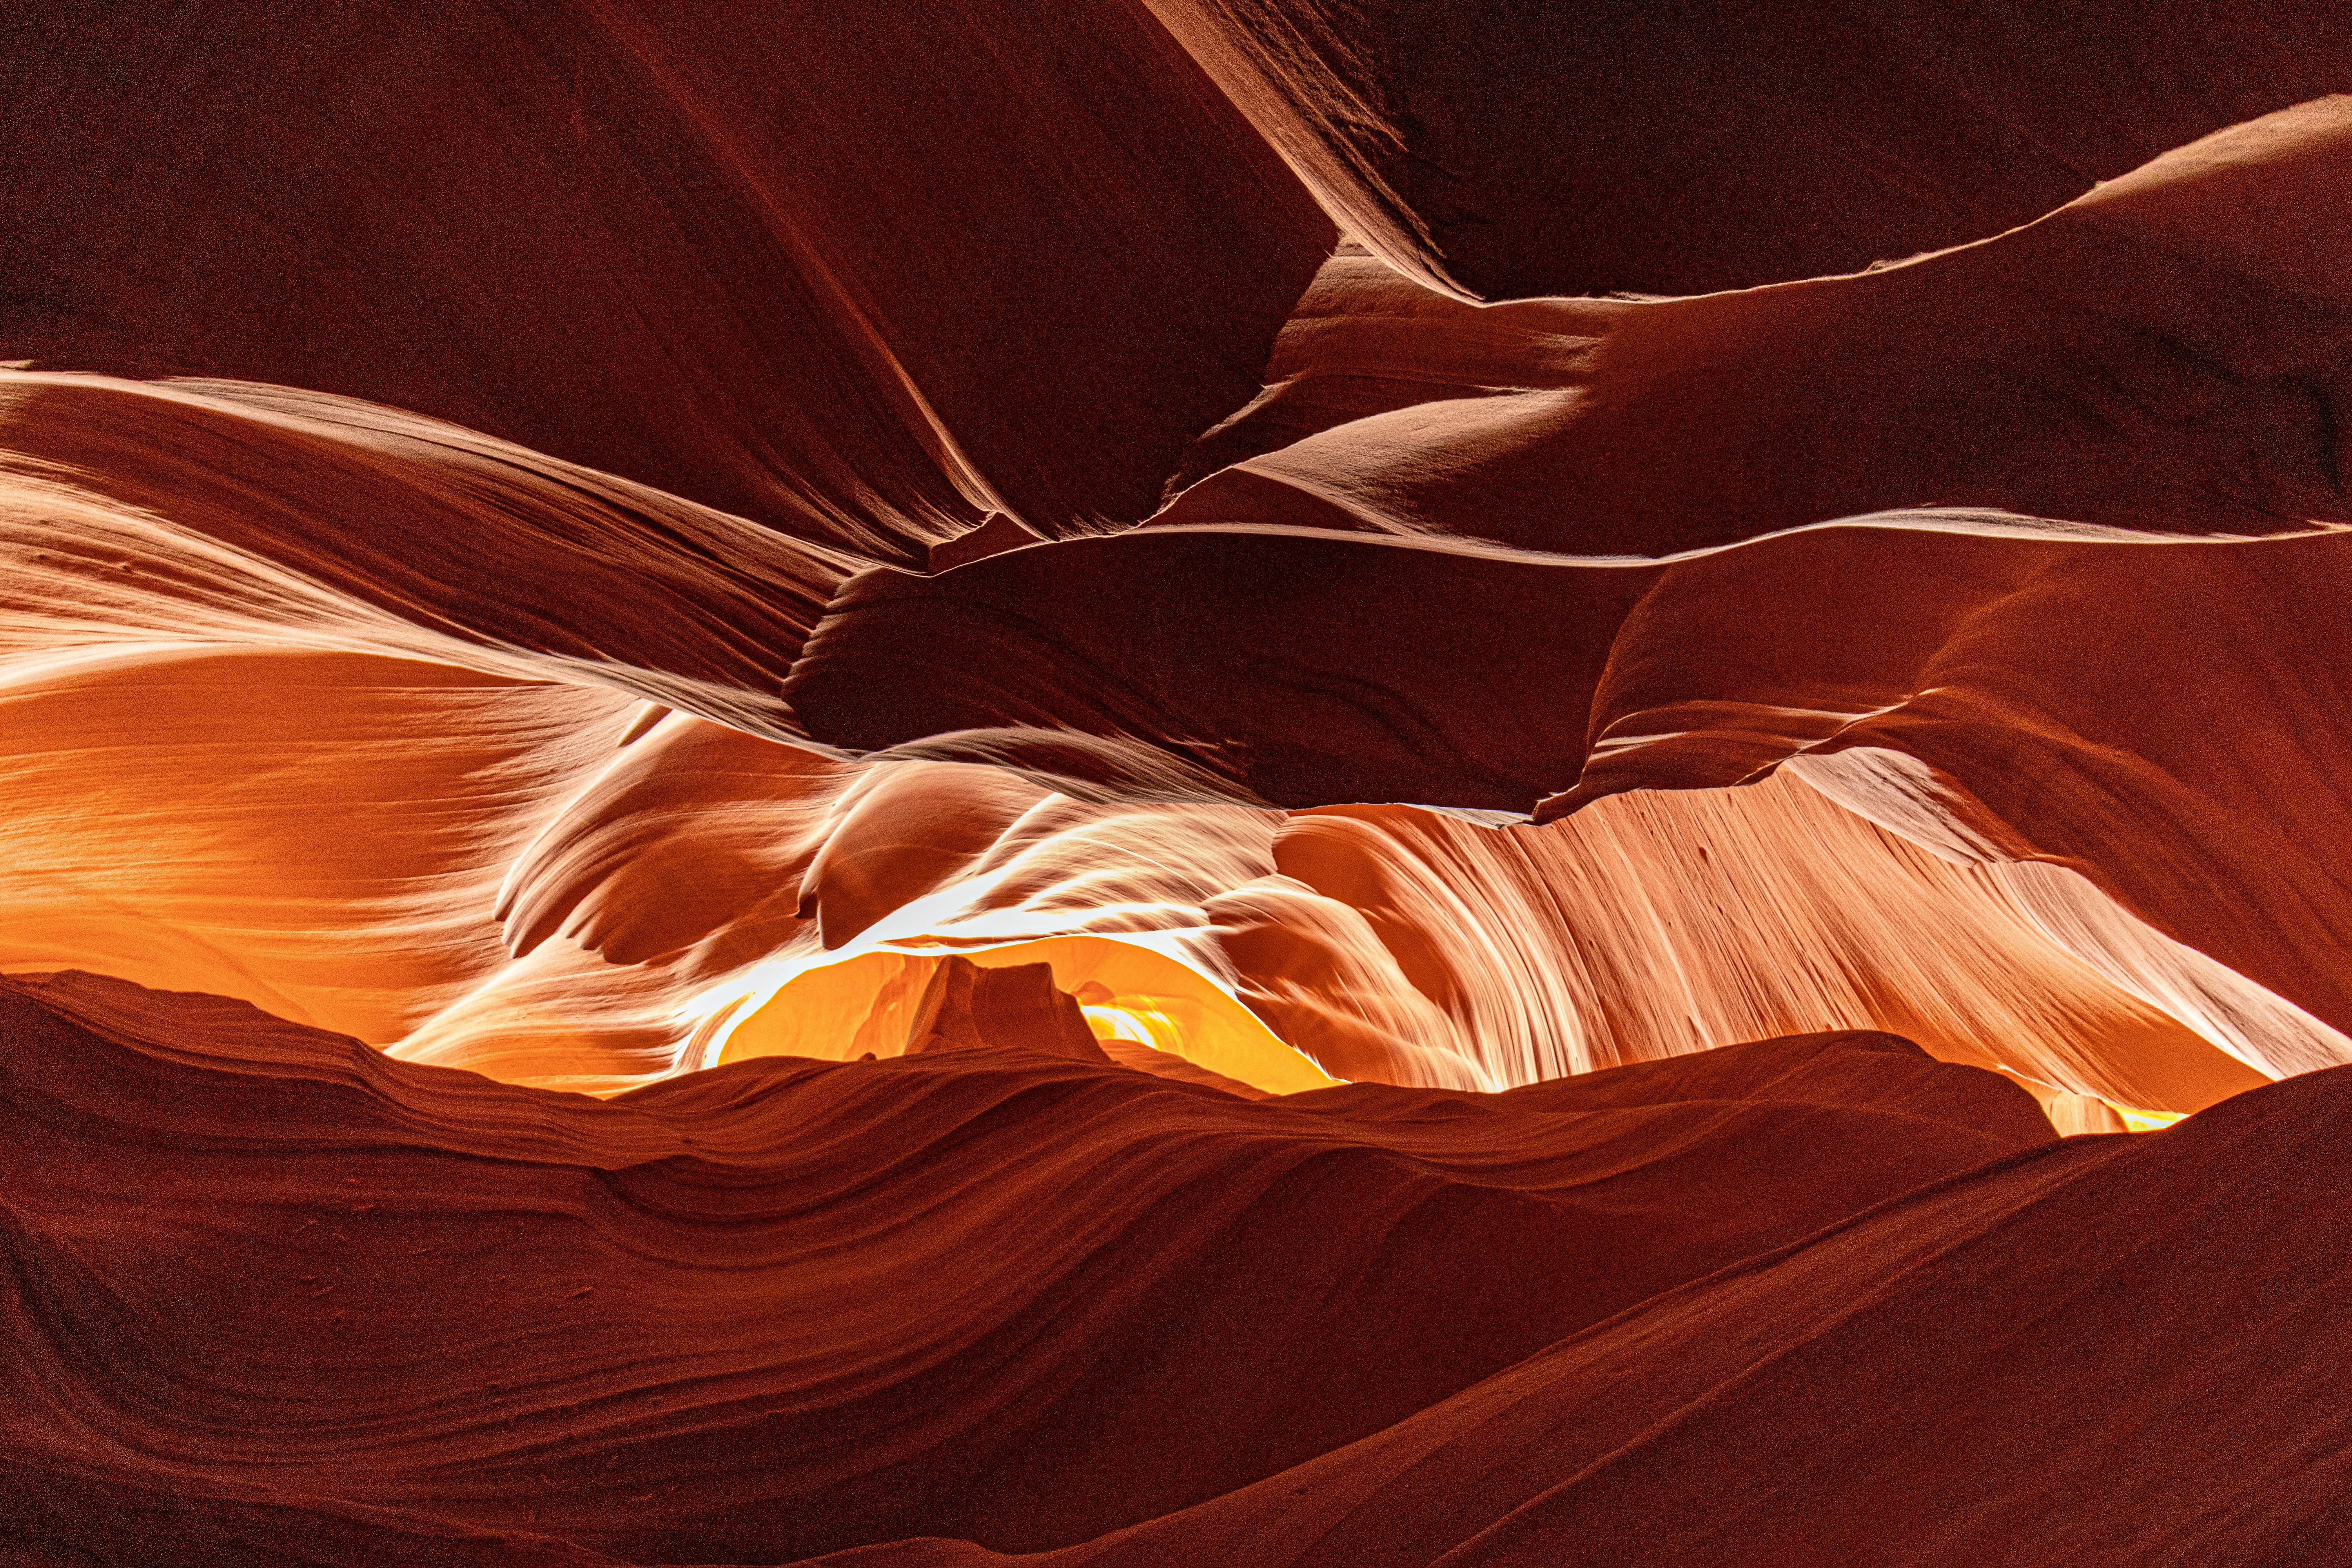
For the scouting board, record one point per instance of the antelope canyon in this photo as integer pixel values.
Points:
(943, 783)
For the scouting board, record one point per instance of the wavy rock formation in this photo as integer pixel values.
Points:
(2039, 1350)
(981, 1292)
(633, 236)
(1263, 781)
(1424, 653)
(1694, 145)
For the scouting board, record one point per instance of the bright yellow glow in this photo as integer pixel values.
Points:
(841, 1011)
(2139, 1121)
(1120, 1020)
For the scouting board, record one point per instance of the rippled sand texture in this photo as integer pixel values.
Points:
(1175, 781)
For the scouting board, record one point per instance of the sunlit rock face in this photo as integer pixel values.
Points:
(1170, 783)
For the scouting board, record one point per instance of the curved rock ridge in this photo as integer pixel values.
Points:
(2043, 1342)
(763, 267)
(1399, 945)
(979, 1291)
(2048, 699)
(235, 515)
(2201, 397)
(1657, 923)
(320, 833)
(1696, 145)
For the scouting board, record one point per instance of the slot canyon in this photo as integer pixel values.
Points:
(1301, 784)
